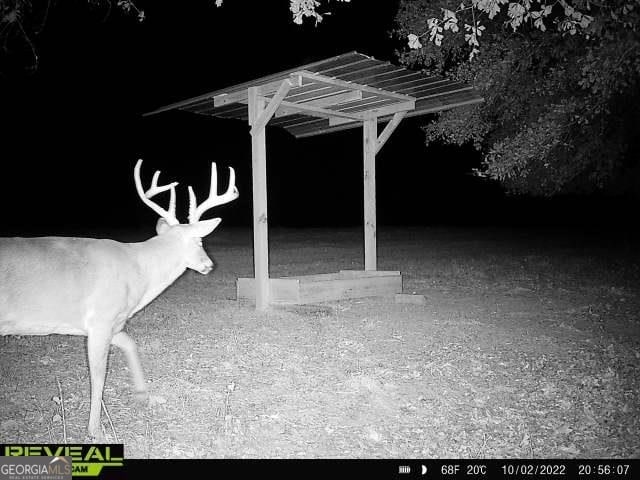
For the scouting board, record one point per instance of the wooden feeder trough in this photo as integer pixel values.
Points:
(338, 93)
(324, 287)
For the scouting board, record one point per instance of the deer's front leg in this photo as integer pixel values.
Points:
(128, 346)
(98, 349)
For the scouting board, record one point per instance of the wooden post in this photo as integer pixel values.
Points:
(260, 222)
(370, 145)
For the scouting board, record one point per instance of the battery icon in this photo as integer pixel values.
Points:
(404, 469)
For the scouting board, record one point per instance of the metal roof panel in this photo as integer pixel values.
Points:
(379, 83)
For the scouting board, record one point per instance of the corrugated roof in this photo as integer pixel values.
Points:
(346, 87)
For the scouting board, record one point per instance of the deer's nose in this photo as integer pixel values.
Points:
(206, 267)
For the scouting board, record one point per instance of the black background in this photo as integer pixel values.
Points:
(73, 129)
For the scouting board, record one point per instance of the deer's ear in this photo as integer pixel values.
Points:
(204, 228)
(162, 226)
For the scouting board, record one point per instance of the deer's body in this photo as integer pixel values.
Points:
(79, 280)
(91, 287)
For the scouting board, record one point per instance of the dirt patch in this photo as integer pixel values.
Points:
(527, 346)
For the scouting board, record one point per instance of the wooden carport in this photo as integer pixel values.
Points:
(334, 94)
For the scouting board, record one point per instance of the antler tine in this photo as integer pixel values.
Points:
(170, 214)
(196, 211)
(155, 189)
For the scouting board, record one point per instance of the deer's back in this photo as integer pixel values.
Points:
(60, 285)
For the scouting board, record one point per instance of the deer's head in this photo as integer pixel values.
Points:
(187, 237)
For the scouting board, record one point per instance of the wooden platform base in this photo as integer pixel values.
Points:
(324, 287)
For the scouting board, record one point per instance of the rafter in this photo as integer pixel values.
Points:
(323, 102)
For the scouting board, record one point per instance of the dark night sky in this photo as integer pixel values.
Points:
(72, 131)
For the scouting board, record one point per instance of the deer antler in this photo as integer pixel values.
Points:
(196, 211)
(170, 214)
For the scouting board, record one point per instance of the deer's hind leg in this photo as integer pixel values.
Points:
(128, 346)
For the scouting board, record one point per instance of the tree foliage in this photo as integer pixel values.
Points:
(560, 78)
(22, 21)
(560, 82)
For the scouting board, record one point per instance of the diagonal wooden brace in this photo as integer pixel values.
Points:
(261, 122)
(388, 130)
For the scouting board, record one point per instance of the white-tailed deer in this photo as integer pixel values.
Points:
(88, 286)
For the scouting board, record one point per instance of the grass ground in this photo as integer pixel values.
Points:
(528, 346)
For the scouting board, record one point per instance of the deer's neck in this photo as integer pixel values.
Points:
(160, 262)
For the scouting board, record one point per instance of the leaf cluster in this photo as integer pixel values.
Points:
(561, 107)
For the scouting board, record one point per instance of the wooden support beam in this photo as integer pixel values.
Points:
(389, 129)
(323, 102)
(241, 96)
(320, 79)
(260, 219)
(377, 112)
(369, 144)
(261, 121)
(342, 121)
(437, 107)
(389, 109)
(319, 111)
